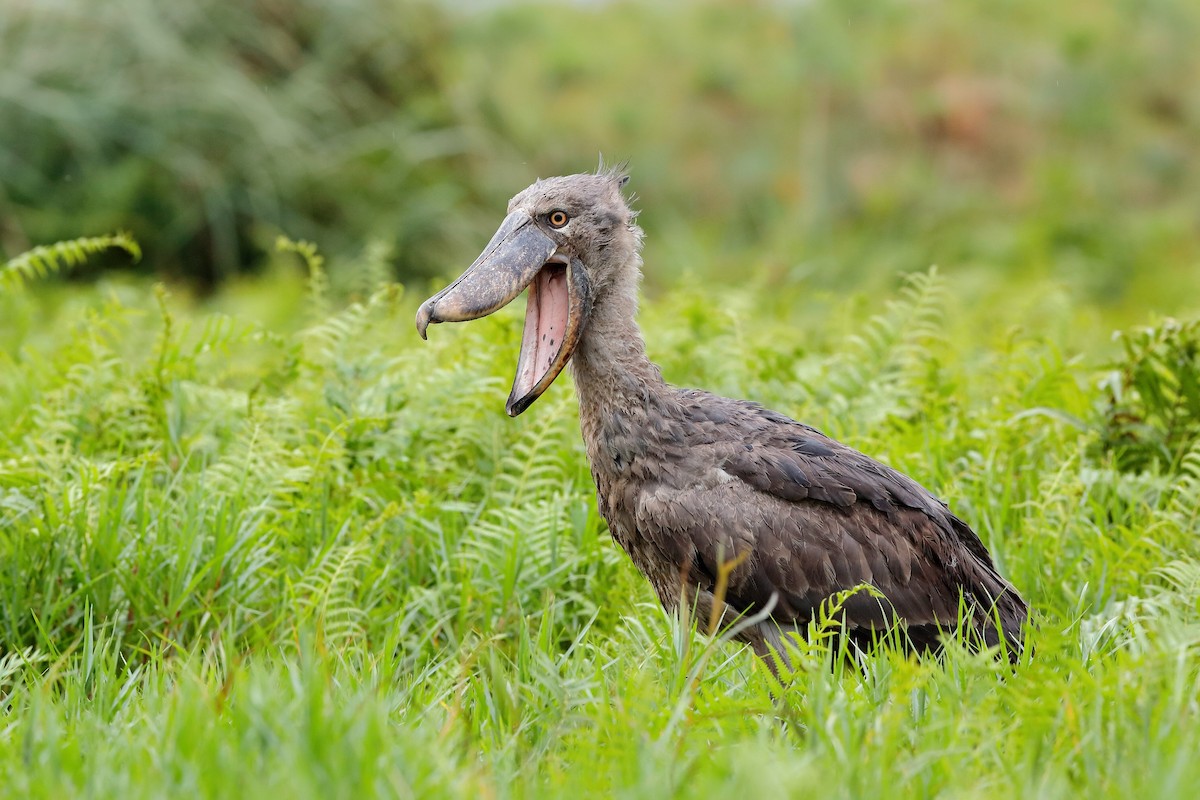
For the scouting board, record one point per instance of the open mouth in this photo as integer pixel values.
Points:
(554, 312)
(547, 309)
(521, 256)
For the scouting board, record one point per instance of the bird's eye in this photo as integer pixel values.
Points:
(558, 219)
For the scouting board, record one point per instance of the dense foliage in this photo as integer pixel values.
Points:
(836, 143)
(316, 558)
(206, 127)
(1151, 410)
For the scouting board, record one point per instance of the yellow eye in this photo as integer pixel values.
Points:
(558, 219)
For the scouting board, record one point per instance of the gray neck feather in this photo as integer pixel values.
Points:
(614, 379)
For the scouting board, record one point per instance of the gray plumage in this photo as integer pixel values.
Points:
(688, 480)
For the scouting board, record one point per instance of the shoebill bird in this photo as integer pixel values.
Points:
(692, 484)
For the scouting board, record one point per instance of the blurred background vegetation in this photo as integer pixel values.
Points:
(822, 144)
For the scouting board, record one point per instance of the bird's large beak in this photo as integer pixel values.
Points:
(521, 255)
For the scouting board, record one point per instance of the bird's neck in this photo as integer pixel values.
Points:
(616, 382)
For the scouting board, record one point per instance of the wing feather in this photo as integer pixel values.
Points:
(805, 517)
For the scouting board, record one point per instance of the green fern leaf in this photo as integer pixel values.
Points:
(44, 260)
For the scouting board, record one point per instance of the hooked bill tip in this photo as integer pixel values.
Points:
(424, 317)
(516, 405)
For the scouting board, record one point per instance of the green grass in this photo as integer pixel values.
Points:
(297, 550)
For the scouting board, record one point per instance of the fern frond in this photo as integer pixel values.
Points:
(44, 260)
(1166, 613)
(318, 280)
(371, 271)
(326, 592)
(887, 359)
(1185, 499)
(261, 460)
(532, 465)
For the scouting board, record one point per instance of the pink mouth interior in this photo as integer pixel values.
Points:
(546, 311)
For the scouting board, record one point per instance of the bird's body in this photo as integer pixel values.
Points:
(694, 485)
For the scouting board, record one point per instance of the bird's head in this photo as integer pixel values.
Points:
(568, 240)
